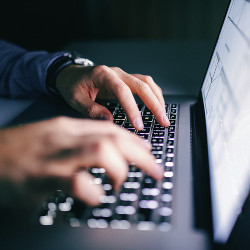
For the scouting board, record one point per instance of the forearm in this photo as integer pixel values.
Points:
(23, 73)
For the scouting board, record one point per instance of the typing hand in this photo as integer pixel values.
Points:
(81, 86)
(39, 158)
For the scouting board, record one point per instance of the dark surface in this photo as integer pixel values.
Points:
(49, 25)
(177, 67)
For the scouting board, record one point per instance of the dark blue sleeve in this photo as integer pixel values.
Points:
(22, 72)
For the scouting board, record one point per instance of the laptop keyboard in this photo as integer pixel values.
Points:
(142, 202)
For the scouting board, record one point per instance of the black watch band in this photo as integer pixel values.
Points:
(59, 64)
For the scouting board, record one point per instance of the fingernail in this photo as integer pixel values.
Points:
(138, 123)
(104, 117)
(165, 120)
(159, 174)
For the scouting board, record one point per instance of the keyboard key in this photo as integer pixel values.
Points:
(171, 129)
(147, 112)
(157, 141)
(169, 159)
(131, 130)
(158, 128)
(128, 125)
(135, 174)
(131, 185)
(167, 185)
(148, 204)
(102, 212)
(119, 122)
(97, 223)
(147, 124)
(149, 182)
(157, 148)
(164, 227)
(169, 164)
(110, 199)
(146, 225)
(158, 134)
(119, 117)
(144, 136)
(147, 118)
(168, 174)
(144, 131)
(173, 111)
(169, 150)
(128, 197)
(166, 197)
(165, 211)
(172, 117)
(150, 191)
(170, 142)
(120, 224)
(171, 136)
(129, 210)
(158, 156)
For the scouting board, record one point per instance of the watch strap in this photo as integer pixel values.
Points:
(59, 64)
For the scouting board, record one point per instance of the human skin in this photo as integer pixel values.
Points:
(63, 149)
(41, 157)
(80, 86)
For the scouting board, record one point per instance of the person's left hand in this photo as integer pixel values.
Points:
(81, 86)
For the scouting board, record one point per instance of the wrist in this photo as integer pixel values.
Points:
(61, 63)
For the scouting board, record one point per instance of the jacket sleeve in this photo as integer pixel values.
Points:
(22, 72)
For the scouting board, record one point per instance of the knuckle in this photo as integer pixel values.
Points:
(100, 147)
(91, 110)
(117, 69)
(120, 88)
(60, 121)
(100, 70)
(160, 90)
(142, 86)
(148, 78)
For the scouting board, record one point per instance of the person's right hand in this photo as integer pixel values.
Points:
(55, 154)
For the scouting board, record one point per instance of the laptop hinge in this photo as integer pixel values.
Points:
(201, 182)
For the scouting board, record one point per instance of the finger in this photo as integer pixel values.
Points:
(154, 87)
(143, 90)
(113, 84)
(143, 159)
(107, 156)
(95, 151)
(85, 188)
(84, 104)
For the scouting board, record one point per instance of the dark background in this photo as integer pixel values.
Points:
(53, 24)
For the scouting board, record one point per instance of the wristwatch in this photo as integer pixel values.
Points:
(68, 58)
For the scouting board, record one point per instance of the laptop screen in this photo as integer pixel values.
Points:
(226, 97)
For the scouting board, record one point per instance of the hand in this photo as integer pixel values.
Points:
(43, 157)
(80, 86)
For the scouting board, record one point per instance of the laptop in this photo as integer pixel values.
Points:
(203, 201)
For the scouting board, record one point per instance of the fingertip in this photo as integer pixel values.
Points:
(86, 189)
(158, 173)
(166, 120)
(138, 124)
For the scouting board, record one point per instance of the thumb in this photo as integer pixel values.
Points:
(97, 111)
(89, 107)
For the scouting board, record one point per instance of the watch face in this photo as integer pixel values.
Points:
(83, 61)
